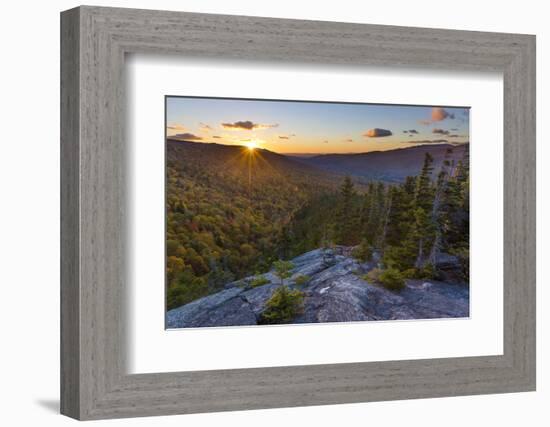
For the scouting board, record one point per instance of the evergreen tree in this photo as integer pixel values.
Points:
(456, 214)
(283, 270)
(347, 218)
(401, 215)
(439, 206)
(379, 211)
(422, 232)
(384, 221)
(368, 213)
(423, 196)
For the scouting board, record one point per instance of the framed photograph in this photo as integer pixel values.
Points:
(297, 213)
(262, 213)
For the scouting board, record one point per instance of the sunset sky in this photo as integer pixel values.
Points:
(313, 127)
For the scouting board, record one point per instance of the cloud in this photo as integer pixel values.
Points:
(411, 131)
(438, 114)
(247, 125)
(427, 141)
(326, 142)
(284, 137)
(204, 127)
(377, 133)
(187, 136)
(348, 140)
(176, 126)
(216, 136)
(440, 131)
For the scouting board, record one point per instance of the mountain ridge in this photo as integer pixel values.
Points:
(313, 155)
(391, 166)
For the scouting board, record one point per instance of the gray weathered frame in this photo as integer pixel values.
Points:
(94, 41)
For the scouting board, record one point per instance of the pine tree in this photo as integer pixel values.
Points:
(401, 215)
(456, 206)
(423, 201)
(347, 219)
(367, 213)
(283, 270)
(377, 222)
(438, 207)
(424, 191)
(456, 214)
(384, 223)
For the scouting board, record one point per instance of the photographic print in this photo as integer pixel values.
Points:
(297, 212)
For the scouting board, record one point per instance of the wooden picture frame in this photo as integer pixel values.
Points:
(94, 41)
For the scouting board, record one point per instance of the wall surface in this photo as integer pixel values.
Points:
(29, 224)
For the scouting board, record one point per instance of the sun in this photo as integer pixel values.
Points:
(251, 145)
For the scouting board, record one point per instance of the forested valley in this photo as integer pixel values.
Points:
(232, 213)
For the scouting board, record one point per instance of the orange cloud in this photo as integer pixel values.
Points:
(439, 114)
(176, 126)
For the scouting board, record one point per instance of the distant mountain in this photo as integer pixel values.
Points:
(388, 166)
(305, 155)
(234, 160)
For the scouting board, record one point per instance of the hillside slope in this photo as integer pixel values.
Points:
(227, 213)
(388, 166)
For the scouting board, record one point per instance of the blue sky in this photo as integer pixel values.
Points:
(313, 127)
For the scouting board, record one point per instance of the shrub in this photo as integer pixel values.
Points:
(243, 284)
(185, 289)
(283, 306)
(301, 280)
(392, 279)
(399, 257)
(362, 252)
(259, 281)
(410, 273)
(283, 270)
(464, 258)
(427, 272)
(373, 275)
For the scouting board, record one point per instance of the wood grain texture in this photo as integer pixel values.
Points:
(94, 382)
(70, 220)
